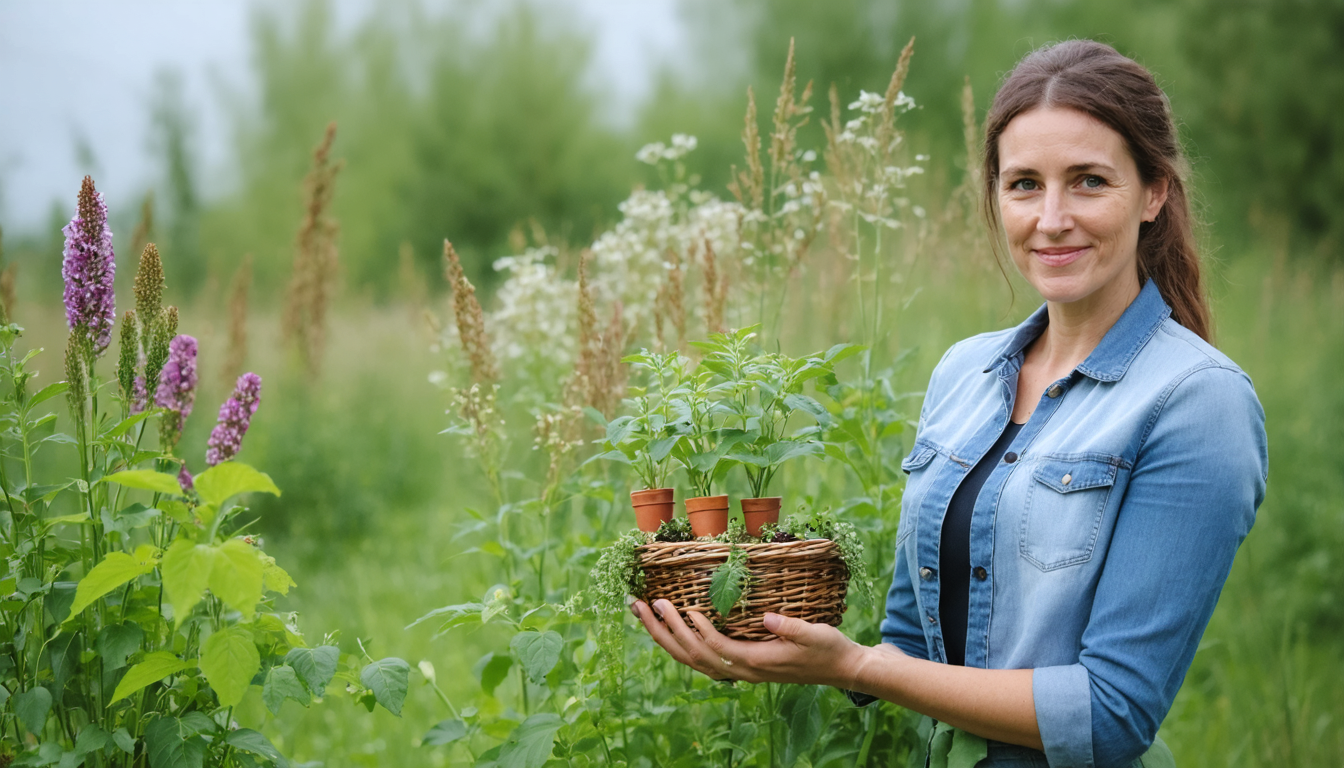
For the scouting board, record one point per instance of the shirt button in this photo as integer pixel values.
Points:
(932, 620)
(1009, 457)
(1067, 479)
(1055, 391)
(926, 573)
(980, 573)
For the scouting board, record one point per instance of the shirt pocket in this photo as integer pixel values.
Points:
(916, 465)
(1065, 502)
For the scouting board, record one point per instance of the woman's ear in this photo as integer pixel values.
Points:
(1157, 197)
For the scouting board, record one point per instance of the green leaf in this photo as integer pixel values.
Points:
(316, 666)
(780, 452)
(186, 569)
(802, 712)
(809, 406)
(146, 480)
(249, 740)
(116, 642)
(91, 739)
(230, 660)
(273, 577)
(282, 682)
(46, 393)
(446, 732)
(841, 351)
(125, 424)
(660, 448)
(620, 428)
(125, 742)
(493, 669)
(237, 575)
(530, 744)
(155, 667)
(538, 652)
(31, 707)
(173, 743)
(388, 679)
(114, 571)
(221, 482)
(728, 582)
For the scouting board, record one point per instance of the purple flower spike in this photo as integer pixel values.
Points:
(185, 479)
(89, 267)
(177, 380)
(235, 415)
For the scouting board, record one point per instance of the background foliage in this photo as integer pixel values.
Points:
(473, 125)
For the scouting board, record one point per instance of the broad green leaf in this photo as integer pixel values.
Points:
(660, 448)
(530, 744)
(809, 406)
(748, 458)
(47, 392)
(171, 743)
(841, 351)
(802, 712)
(538, 652)
(778, 453)
(446, 732)
(237, 575)
(453, 615)
(221, 482)
(186, 570)
(619, 428)
(282, 682)
(79, 518)
(316, 666)
(728, 582)
(146, 480)
(388, 679)
(31, 707)
(116, 642)
(493, 670)
(277, 624)
(230, 660)
(249, 740)
(125, 742)
(114, 571)
(273, 577)
(155, 667)
(92, 738)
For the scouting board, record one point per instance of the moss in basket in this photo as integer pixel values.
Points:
(615, 576)
(675, 530)
(823, 525)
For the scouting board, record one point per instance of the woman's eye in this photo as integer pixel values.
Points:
(1094, 182)
(1026, 185)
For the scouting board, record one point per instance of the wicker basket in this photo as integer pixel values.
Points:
(803, 579)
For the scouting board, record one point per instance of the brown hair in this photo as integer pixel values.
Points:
(1095, 79)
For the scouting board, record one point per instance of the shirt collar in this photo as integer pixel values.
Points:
(1118, 348)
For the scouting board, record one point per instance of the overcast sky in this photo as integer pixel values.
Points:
(76, 78)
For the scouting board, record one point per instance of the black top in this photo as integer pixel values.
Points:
(954, 553)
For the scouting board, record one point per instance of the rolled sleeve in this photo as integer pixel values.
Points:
(1066, 727)
(1191, 500)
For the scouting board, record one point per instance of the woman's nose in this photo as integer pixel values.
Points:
(1055, 219)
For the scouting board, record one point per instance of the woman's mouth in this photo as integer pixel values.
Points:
(1060, 255)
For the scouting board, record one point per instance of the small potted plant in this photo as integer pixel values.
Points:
(763, 392)
(645, 439)
(704, 449)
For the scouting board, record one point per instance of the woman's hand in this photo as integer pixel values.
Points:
(801, 652)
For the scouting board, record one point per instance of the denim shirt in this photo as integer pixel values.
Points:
(1099, 552)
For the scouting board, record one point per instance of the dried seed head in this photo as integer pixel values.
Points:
(145, 227)
(470, 319)
(149, 284)
(316, 259)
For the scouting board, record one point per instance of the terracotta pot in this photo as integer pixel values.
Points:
(708, 515)
(653, 507)
(758, 512)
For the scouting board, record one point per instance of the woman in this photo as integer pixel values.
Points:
(1079, 484)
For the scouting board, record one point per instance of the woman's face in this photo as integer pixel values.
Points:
(1071, 201)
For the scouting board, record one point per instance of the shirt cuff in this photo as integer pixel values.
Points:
(1063, 699)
